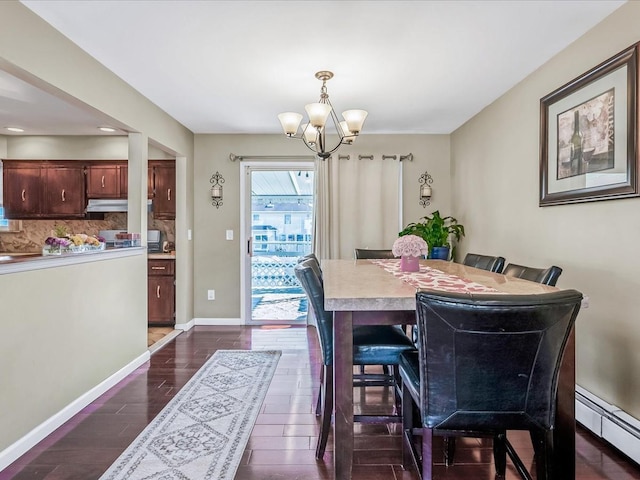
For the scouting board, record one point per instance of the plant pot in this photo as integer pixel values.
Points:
(409, 263)
(439, 253)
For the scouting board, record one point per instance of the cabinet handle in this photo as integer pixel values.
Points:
(158, 291)
(158, 268)
(24, 197)
(169, 194)
(102, 181)
(64, 199)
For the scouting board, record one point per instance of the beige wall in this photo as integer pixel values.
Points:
(217, 261)
(108, 147)
(64, 330)
(495, 160)
(64, 334)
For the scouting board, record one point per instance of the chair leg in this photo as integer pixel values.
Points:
(543, 447)
(500, 453)
(427, 453)
(319, 401)
(407, 426)
(397, 389)
(449, 450)
(327, 412)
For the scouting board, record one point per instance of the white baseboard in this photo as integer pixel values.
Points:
(218, 321)
(185, 326)
(19, 448)
(609, 423)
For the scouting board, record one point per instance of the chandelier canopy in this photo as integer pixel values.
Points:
(313, 133)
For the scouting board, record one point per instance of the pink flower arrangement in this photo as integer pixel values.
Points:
(410, 245)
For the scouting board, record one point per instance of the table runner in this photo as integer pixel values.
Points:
(433, 279)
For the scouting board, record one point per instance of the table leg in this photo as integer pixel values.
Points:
(343, 394)
(565, 428)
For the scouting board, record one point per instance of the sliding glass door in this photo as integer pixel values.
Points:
(278, 228)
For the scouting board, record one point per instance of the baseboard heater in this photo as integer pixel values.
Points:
(609, 423)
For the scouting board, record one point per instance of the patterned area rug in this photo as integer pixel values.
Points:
(202, 432)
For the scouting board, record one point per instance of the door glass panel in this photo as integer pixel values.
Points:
(281, 228)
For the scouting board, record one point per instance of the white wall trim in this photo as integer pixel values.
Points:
(218, 321)
(609, 422)
(19, 448)
(185, 326)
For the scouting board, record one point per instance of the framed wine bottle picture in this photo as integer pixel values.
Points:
(589, 135)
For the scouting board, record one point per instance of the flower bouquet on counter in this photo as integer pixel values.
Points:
(62, 242)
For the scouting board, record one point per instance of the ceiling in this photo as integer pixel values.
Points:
(232, 66)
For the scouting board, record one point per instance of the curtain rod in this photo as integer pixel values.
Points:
(234, 157)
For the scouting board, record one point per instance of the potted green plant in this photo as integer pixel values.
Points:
(437, 232)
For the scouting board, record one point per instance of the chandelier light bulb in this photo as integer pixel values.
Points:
(355, 120)
(290, 122)
(310, 134)
(349, 137)
(318, 113)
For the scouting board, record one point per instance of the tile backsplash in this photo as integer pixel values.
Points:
(35, 232)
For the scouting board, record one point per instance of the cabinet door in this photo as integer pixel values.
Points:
(21, 192)
(161, 299)
(64, 192)
(124, 182)
(103, 181)
(164, 199)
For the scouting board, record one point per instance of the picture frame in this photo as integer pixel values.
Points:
(589, 135)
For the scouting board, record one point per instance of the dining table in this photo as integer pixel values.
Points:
(375, 292)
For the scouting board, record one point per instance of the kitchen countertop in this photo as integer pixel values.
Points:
(161, 256)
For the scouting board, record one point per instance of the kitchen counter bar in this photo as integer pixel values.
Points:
(12, 263)
(161, 256)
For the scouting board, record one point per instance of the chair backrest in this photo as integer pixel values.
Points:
(365, 253)
(307, 257)
(485, 262)
(315, 264)
(306, 273)
(491, 362)
(547, 276)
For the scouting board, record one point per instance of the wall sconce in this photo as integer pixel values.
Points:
(216, 181)
(425, 189)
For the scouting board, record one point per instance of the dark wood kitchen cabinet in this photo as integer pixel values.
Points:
(43, 189)
(161, 294)
(64, 194)
(21, 186)
(164, 188)
(105, 181)
(124, 182)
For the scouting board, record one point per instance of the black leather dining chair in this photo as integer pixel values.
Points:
(484, 262)
(486, 364)
(372, 345)
(547, 276)
(365, 253)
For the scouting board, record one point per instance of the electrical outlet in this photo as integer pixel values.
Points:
(585, 301)
(211, 294)
(229, 234)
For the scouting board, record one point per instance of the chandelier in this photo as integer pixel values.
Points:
(313, 133)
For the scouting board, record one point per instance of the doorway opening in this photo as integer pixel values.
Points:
(279, 225)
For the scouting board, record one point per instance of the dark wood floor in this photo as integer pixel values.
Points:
(283, 441)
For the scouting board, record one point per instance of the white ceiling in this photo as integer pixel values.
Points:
(232, 66)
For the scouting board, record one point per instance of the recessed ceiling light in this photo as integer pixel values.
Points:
(14, 129)
(107, 129)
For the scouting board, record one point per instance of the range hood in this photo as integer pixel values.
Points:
(110, 205)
